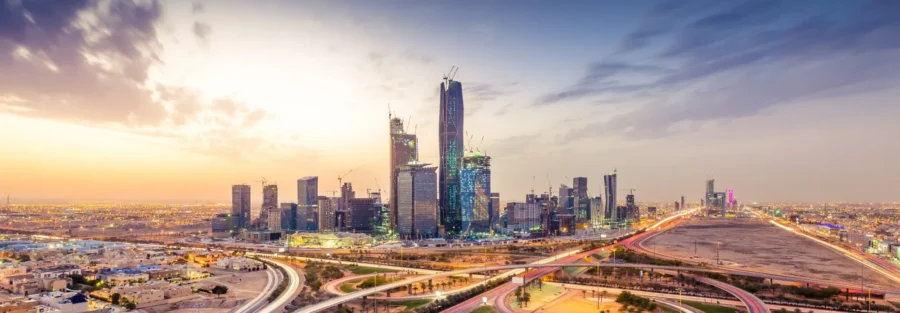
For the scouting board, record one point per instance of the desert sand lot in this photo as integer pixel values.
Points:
(761, 247)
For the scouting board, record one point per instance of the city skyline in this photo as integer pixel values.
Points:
(193, 103)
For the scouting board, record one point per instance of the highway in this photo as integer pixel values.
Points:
(273, 279)
(288, 293)
(753, 304)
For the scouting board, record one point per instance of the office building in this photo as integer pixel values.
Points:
(404, 149)
(597, 213)
(609, 183)
(273, 219)
(581, 200)
(730, 193)
(362, 215)
(327, 206)
(682, 202)
(496, 211)
(677, 206)
(523, 218)
(308, 203)
(416, 201)
(289, 216)
(240, 207)
(450, 137)
(475, 194)
(270, 202)
(221, 224)
(566, 198)
(633, 212)
(710, 190)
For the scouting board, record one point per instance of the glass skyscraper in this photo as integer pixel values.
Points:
(308, 203)
(609, 183)
(416, 201)
(450, 132)
(240, 207)
(475, 194)
(404, 149)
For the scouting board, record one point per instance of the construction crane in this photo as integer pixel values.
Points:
(630, 190)
(333, 193)
(341, 178)
(264, 182)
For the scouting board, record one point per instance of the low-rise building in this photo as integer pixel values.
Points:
(16, 304)
(239, 264)
(65, 302)
(57, 271)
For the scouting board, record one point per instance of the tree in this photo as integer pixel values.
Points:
(526, 297)
(130, 306)
(603, 294)
(114, 298)
(584, 293)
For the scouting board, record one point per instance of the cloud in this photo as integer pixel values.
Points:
(733, 62)
(87, 62)
(503, 110)
(202, 31)
(197, 7)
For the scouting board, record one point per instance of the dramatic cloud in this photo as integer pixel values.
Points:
(740, 60)
(87, 62)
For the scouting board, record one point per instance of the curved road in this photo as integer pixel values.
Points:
(754, 304)
(273, 279)
(288, 293)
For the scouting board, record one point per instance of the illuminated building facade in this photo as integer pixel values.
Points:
(240, 207)
(404, 149)
(475, 194)
(450, 132)
(597, 213)
(416, 201)
(308, 203)
(582, 202)
(495, 211)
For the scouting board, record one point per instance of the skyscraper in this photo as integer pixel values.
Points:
(682, 202)
(326, 207)
(609, 183)
(710, 193)
(289, 216)
(346, 194)
(582, 201)
(495, 211)
(566, 198)
(404, 149)
(475, 194)
(240, 207)
(597, 213)
(416, 201)
(270, 202)
(307, 203)
(450, 137)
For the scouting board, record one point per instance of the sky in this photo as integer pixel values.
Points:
(175, 101)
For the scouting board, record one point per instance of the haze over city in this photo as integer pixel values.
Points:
(175, 101)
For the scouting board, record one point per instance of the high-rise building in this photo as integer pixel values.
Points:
(475, 194)
(240, 207)
(308, 203)
(597, 213)
(632, 209)
(221, 224)
(582, 201)
(416, 201)
(450, 137)
(404, 149)
(362, 214)
(609, 183)
(730, 193)
(327, 207)
(270, 202)
(346, 194)
(710, 193)
(289, 216)
(495, 211)
(273, 219)
(566, 198)
(523, 218)
(682, 202)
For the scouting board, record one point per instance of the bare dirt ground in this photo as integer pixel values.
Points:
(756, 245)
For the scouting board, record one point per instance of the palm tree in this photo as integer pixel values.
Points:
(603, 294)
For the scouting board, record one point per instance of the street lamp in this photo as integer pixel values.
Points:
(484, 300)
